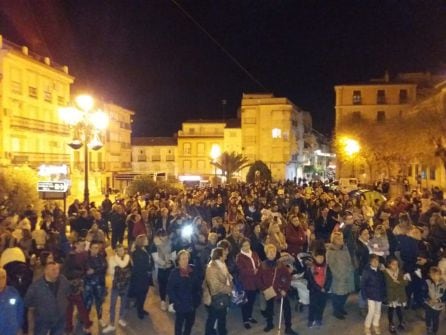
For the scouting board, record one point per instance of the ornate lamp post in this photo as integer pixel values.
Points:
(88, 125)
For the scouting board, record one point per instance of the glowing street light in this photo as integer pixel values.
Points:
(87, 124)
(351, 146)
(215, 152)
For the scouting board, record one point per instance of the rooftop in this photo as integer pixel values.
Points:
(154, 141)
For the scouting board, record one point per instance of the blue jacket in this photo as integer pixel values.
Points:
(11, 311)
(184, 292)
(373, 284)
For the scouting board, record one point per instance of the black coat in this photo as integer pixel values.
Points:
(362, 254)
(373, 284)
(141, 277)
(312, 285)
(184, 292)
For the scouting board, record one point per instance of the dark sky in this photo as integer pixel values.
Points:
(149, 57)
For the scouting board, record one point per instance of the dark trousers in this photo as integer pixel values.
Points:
(432, 319)
(338, 302)
(414, 292)
(248, 306)
(94, 293)
(140, 299)
(78, 301)
(318, 300)
(186, 320)
(220, 317)
(117, 236)
(286, 312)
(51, 328)
(163, 277)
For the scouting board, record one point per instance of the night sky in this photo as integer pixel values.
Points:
(149, 57)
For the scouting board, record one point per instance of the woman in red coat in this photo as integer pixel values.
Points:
(274, 273)
(296, 237)
(248, 263)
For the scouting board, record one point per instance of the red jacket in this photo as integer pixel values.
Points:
(266, 274)
(296, 238)
(247, 273)
(139, 228)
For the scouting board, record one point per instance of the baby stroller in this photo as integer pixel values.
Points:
(299, 282)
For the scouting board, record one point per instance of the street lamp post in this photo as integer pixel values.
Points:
(87, 124)
(215, 153)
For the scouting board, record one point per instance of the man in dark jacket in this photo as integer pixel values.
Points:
(117, 220)
(47, 302)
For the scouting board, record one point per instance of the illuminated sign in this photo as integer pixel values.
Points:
(50, 170)
(52, 186)
(189, 178)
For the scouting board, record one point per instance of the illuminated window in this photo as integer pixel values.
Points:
(356, 97)
(277, 133)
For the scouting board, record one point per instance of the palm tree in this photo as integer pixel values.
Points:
(230, 163)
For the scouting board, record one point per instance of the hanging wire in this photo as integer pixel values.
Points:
(218, 44)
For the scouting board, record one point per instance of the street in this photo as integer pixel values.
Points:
(162, 323)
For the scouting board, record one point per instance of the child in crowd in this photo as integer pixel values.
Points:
(434, 292)
(373, 289)
(319, 282)
(396, 284)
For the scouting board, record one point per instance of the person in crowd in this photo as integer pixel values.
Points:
(119, 269)
(276, 237)
(434, 293)
(323, 226)
(319, 280)
(184, 290)
(275, 277)
(141, 276)
(11, 307)
(296, 236)
(340, 263)
(117, 221)
(373, 289)
(94, 286)
(74, 269)
(218, 287)
(164, 258)
(396, 283)
(248, 263)
(362, 252)
(379, 243)
(47, 302)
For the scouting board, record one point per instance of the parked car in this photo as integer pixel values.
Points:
(369, 195)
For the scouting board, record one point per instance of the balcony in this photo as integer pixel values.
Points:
(47, 96)
(156, 158)
(170, 158)
(141, 158)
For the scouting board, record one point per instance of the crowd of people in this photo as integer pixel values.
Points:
(226, 246)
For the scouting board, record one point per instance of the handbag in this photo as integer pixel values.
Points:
(270, 292)
(238, 296)
(220, 301)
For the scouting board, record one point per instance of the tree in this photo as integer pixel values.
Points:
(145, 184)
(230, 163)
(18, 188)
(264, 172)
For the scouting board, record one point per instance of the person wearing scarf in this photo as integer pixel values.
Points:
(218, 280)
(248, 263)
(281, 283)
(184, 291)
